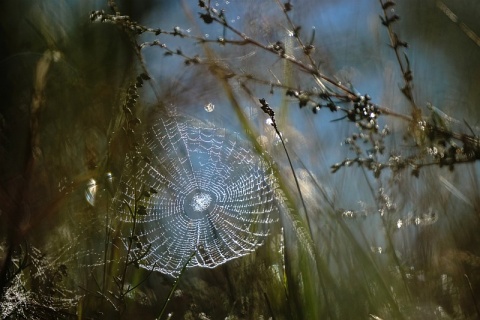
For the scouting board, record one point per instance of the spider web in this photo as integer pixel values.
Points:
(194, 192)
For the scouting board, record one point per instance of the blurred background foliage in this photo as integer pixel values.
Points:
(394, 246)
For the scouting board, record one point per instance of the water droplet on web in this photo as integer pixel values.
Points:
(201, 201)
(209, 107)
(198, 204)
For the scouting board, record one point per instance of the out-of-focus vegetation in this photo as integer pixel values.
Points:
(377, 184)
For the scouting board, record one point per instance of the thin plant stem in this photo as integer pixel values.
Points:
(174, 287)
(295, 178)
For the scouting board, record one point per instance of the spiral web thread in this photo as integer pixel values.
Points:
(213, 199)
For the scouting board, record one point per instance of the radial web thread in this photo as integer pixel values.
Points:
(210, 196)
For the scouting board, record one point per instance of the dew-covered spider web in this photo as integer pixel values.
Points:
(194, 192)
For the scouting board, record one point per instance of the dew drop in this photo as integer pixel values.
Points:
(348, 214)
(399, 223)
(209, 107)
(91, 192)
(378, 250)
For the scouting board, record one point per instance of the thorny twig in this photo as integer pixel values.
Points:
(364, 112)
(388, 19)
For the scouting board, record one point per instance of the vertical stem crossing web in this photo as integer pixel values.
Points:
(208, 193)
